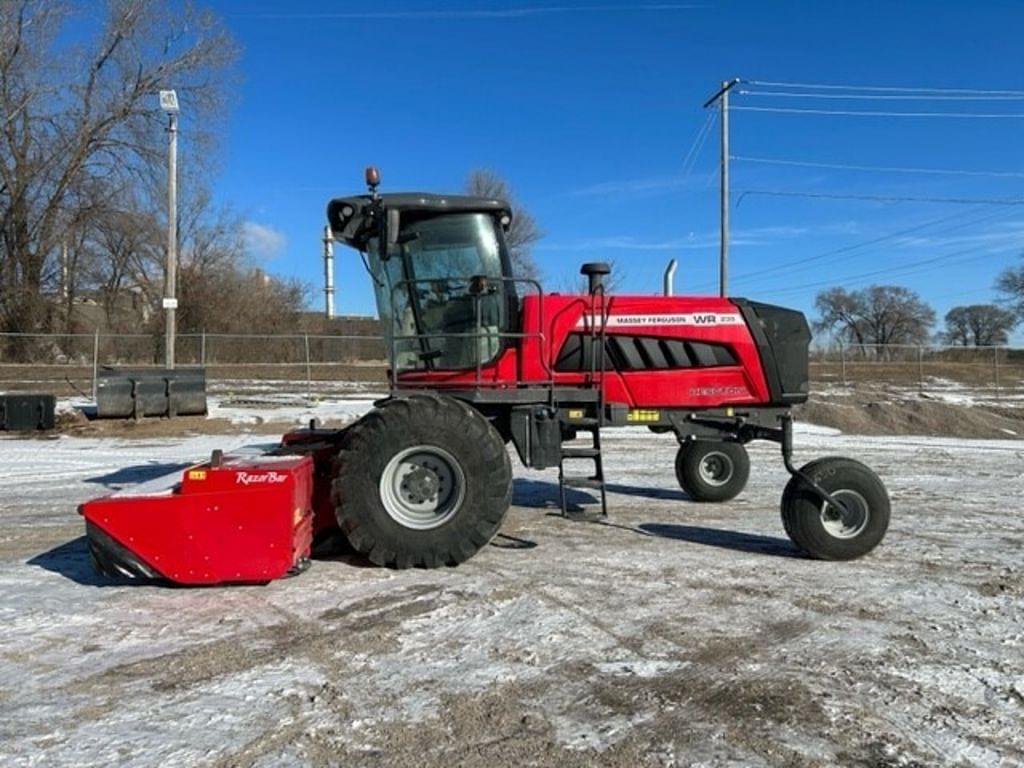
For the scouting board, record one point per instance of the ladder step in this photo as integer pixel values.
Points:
(582, 481)
(583, 421)
(580, 453)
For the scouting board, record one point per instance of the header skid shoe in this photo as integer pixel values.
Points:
(235, 519)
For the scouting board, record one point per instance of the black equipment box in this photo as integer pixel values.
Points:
(133, 393)
(21, 412)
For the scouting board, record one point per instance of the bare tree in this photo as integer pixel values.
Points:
(978, 325)
(841, 313)
(219, 288)
(523, 232)
(78, 120)
(1010, 284)
(879, 315)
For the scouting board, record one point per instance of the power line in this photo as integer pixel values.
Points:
(972, 292)
(881, 198)
(884, 88)
(884, 168)
(878, 113)
(883, 97)
(907, 269)
(847, 249)
(698, 144)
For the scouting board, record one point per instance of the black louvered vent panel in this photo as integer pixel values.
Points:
(643, 353)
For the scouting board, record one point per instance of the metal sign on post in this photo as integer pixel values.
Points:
(169, 104)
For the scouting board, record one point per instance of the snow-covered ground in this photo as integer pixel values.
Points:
(674, 634)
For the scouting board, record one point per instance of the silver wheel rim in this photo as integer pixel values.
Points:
(422, 487)
(715, 468)
(851, 520)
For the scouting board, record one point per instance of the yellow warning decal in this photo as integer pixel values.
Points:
(641, 415)
(575, 413)
(197, 474)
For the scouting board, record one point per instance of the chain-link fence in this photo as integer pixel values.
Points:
(240, 365)
(66, 364)
(994, 371)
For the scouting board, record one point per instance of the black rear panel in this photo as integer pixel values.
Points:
(783, 338)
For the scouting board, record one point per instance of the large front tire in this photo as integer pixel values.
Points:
(421, 481)
(712, 470)
(824, 532)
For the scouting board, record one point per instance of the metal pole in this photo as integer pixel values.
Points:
(668, 282)
(95, 361)
(842, 361)
(309, 369)
(329, 272)
(202, 348)
(722, 97)
(995, 368)
(170, 302)
(920, 369)
(64, 288)
(723, 255)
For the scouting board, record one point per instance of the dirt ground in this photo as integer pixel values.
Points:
(672, 634)
(886, 410)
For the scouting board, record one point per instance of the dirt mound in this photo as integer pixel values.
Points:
(873, 413)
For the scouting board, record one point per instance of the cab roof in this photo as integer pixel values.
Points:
(354, 228)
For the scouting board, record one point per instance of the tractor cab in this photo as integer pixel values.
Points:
(440, 270)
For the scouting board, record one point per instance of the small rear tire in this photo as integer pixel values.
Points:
(712, 470)
(421, 481)
(824, 532)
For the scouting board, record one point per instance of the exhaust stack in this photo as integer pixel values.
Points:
(668, 283)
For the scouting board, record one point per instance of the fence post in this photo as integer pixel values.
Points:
(202, 348)
(842, 360)
(95, 360)
(309, 369)
(920, 369)
(995, 368)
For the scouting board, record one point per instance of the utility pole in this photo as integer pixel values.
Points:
(722, 98)
(169, 104)
(329, 272)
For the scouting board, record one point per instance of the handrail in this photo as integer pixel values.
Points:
(477, 334)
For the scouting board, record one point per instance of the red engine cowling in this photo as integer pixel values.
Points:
(661, 351)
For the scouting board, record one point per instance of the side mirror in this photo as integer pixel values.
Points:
(387, 232)
(394, 225)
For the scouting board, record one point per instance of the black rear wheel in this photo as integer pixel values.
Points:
(712, 470)
(825, 532)
(421, 481)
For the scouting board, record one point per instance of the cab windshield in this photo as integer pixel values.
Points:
(430, 294)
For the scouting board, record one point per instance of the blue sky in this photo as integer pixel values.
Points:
(590, 109)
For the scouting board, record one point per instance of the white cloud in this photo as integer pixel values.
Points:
(262, 240)
(648, 185)
(477, 13)
(997, 236)
(749, 237)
